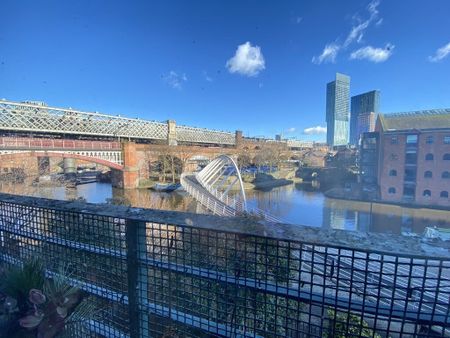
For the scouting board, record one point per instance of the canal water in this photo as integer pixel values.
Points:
(295, 203)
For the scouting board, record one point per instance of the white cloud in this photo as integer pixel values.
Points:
(356, 33)
(175, 80)
(315, 130)
(373, 54)
(291, 130)
(247, 61)
(441, 53)
(372, 7)
(207, 77)
(329, 54)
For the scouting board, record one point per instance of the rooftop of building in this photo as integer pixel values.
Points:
(370, 92)
(340, 78)
(422, 119)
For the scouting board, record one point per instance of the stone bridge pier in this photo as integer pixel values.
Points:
(128, 177)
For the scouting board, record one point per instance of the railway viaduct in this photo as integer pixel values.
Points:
(33, 130)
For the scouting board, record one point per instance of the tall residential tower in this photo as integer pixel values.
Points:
(365, 108)
(338, 110)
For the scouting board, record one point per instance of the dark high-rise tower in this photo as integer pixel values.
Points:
(364, 109)
(338, 110)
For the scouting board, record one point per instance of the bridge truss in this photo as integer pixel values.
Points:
(29, 117)
(211, 187)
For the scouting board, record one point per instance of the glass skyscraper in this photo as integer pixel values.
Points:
(367, 104)
(338, 110)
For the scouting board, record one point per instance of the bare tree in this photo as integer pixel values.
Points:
(184, 154)
(271, 155)
(244, 159)
(168, 164)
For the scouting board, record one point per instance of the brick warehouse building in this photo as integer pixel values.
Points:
(413, 157)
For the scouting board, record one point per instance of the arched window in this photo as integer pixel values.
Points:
(445, 174)
(446, 157)
(393, 172)
(444, 194)
(391, 190)
(428, 174)
(429, 157)
(427, 193)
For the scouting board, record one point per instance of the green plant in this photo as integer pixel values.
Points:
(32, 306)
(345, 323)
(17, 281)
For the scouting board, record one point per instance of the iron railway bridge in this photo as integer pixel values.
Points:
(40, 119)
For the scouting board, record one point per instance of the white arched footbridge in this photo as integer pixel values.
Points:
(211, 188)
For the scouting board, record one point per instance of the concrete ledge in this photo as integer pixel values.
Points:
(365, 242)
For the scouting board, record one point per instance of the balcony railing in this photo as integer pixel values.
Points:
(159, 273)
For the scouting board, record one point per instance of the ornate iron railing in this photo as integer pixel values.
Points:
(202, 135)
(36, 118)
(32, 117)
(159, 273)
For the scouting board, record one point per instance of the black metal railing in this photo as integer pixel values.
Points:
(169, 274)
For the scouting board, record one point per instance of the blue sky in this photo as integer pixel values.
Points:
(257, 66)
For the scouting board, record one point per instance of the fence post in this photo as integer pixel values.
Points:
(137, 278)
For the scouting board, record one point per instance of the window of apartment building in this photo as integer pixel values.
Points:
(411, 139)
(445, 174)
(411, 157)
(370, 143)
(391, 190)
(428, 174)
(409, 191)
(369, 157)
(393, 157)
(426, 193)
(393, 172)
(429, 157)
(446, 157)
(394, 140)
(430, 139)
(410, 175)
(444, 194)
(447, 139)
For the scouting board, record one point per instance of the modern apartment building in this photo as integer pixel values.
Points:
(364, 108)
(338, 111)
(365, 123)
(368, 160)
(414, 157)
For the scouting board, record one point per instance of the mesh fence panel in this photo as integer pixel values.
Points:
(91, 248)
(168, 279)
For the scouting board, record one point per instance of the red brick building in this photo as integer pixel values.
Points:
(414, 157)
